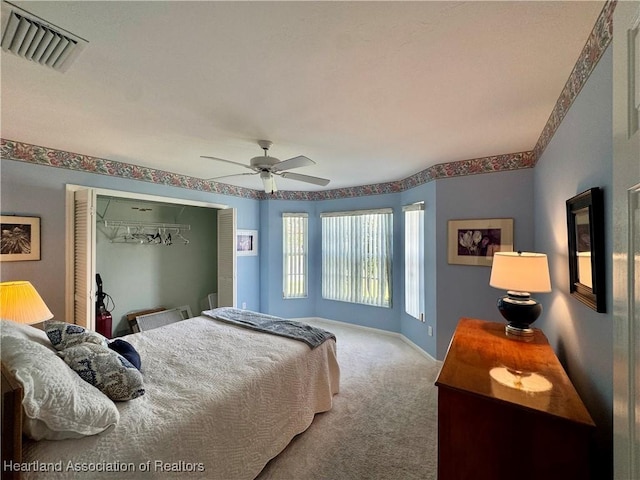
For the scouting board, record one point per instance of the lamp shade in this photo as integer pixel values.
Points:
(20, 302)
(520, 271)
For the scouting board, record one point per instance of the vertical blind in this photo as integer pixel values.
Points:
(414, 259)
(294, 244)
(356, 256)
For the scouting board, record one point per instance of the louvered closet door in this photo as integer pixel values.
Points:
(84, 258)
(227, 257)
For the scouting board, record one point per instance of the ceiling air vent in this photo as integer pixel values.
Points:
(32, 38)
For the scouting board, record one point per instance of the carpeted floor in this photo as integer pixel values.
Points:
(383, 424)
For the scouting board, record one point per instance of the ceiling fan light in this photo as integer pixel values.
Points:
(269, 182)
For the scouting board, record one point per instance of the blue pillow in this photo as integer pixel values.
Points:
(127, 351)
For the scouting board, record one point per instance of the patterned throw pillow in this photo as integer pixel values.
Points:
(105, 369)
(64, 335)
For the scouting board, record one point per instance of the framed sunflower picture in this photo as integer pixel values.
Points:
(20, 238)
(474, 241)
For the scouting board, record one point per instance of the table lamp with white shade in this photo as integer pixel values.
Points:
(520, 273)
(20, 302)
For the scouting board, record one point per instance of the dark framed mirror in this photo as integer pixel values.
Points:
(585, 232)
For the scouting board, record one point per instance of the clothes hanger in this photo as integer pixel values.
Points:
(186, 242)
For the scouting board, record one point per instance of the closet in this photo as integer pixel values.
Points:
(149, 251)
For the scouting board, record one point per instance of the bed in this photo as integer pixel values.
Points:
(220, 401)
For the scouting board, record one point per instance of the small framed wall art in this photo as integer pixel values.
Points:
(20, 238)
(474, 241)
(246, 242)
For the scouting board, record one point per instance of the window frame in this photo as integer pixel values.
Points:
(357, 267)
(414, 262)
(287, 292)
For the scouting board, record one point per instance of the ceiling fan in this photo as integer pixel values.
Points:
(267, 167)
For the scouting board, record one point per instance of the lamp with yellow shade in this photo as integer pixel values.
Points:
(520, 273)
(20, 302)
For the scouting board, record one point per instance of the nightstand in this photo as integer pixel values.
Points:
(507, 410)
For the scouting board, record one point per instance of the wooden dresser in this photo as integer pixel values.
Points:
(507, 410)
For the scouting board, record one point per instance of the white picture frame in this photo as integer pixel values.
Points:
(246, 243)
(212, 300)
(158, 319)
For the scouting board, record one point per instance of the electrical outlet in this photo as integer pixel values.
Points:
(244, 305)
(430, 330)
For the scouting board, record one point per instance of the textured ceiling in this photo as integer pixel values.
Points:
(372, 91)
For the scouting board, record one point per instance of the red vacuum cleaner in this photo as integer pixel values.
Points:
(103, 316)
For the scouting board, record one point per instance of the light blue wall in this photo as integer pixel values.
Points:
(462, 290)
(37, 195)
(36, 190)
(580, 156)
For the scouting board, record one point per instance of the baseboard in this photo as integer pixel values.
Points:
(376, 330)
(416, 347)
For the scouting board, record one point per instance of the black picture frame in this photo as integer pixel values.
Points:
(585, 233)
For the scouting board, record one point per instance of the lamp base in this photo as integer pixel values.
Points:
(520, 310)
(517, 333)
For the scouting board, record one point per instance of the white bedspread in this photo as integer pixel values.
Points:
(220, 402)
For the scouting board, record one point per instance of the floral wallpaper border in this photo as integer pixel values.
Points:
(25, 152)
(597, 43)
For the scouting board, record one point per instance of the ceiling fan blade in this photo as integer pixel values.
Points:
(232, 175)
(227, 161)
(306, 178)
(295, 162)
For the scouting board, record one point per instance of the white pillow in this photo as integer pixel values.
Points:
(15, 329)
(57, 403)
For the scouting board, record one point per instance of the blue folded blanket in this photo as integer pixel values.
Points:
(261, 322)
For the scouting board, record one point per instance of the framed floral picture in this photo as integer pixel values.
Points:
(474, 241)
(20, 238)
